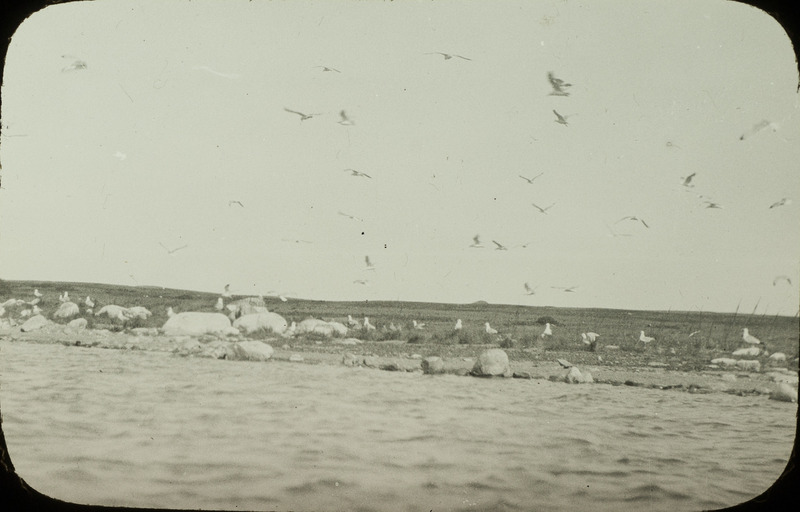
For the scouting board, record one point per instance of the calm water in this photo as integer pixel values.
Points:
(151, 429)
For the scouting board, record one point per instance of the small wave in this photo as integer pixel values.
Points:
(654, 492)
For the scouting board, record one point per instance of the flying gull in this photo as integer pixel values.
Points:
(569, 289)
(370, 266)
(530, 180)
(326, 68)
(231, 203)
(782, 202)
(447, 56)
(354, 172)
(170, 251)
(558, 86)
(476, 242)
(303, 116)
(500, 247)
(352, 217)
(633, 218)
(529, 290)
(361, 281)
(543, 210)
(561, 119)
(214, 72)
(687, 181)
(781, 278)
(77, 64)
(345, 121)
(711, 204)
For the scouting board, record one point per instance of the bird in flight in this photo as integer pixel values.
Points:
(530, 180)
(561, 119)
(170, 251)
(361, 281)
(345, 121)
(500, 247)
(543, 210)
(303, 116)
(370, 266)
(529, 290)
(447, 56)
(758, 127)
(711, 204)
(354, 172)
(296, 241)
(783, 201)
(633, 218)
(781, 278)
(231, 203)
(569, 289)
(77, 64)
(352, 217)
(476, 242)
(558, 86)
(326, 68)
(687, 181)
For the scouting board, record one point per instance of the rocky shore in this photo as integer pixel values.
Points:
(776, 382)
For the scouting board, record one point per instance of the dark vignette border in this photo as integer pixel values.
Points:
(16, 494)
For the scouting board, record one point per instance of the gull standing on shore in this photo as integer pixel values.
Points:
(547, 331)
(458, 325)
(645, 339)
(749, 338)
(489, 329)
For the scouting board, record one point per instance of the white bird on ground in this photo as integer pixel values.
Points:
(368, 326)
(393, 327)
(645, 339)
(476, 242)
(458, 325)
(749, 338)
(351, 322)
(345, 121)
(530, 180)
(226, 293)
(489, 329)
(547, 331)
(543, 210)
(447, 56)
(36, 310)
(417, 325)
(590, 339)
(220, 305)
(37, 293)
(170, 312)
(783, 201)
(64, 297)
(500, 247)
(591, 336)
(89, 302)
(693, 333)
(529, 290)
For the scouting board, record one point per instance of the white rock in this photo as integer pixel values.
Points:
(78, 323)
(778, 357)
(492, 362)
(139, 312)
(724, 361)
(194, 323)
(752, 365)
(66, 310)
(747, 352)
(254, 322)
(34, 323)
(432, 365)
(252, 350)
(113, 311)
(784, 393)
(574, 376)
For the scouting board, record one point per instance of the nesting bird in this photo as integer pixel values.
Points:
(547, 331)
(37, 293)
(749, 338)
(64, 297)
(590, 339)
(170, 312)
(458, 325)
(220, 305)
(368, 326)
(645, 339)
(351, 322)
(89, 302)
(489, 329)
(417, 325)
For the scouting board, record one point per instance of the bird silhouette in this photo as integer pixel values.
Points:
(500, 247)
(476, 242)
(354, 172)
(530, 180)
(303, 116)
(558, 85)
(345, 121)
(782, 202)
(543, 210)
(633, 218)
(370, 266)
(448, 56)
(170, 251)
(529, 290)
(687, 181)
(326, 68)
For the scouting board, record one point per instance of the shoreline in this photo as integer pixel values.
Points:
(398, 355)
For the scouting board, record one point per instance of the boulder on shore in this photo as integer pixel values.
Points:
(432, 365)
(254, 322)
(66, 310)
(492, 363)
(252, 350)
(34, 323)
(784, 393)
(78, 323)
(194, 323)
(575, 376)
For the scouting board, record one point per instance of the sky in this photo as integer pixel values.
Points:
(149, 143)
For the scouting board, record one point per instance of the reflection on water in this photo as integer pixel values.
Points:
(150, 429)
